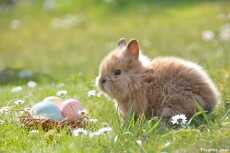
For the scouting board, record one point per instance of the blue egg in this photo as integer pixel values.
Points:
(48, 110)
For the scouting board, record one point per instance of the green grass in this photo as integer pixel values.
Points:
(71, 56)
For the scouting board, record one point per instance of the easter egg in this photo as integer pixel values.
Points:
(54, 99)
(48, 110)
(70, 109)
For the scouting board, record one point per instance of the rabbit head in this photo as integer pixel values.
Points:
(119, 70)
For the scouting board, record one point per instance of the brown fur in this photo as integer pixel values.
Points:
(165, 87)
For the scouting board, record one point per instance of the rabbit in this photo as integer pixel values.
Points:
(163, 87)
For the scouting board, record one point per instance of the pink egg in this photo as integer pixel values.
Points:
(70, 108)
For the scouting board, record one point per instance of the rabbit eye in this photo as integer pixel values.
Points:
(117, 72)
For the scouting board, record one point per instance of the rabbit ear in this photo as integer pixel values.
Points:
(133, 48)
(122, 42)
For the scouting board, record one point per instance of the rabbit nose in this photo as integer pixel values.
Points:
(102, 80)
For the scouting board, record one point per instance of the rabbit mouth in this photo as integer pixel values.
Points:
(107, 87)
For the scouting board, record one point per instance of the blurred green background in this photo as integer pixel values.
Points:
(61, 38)
(60, 43)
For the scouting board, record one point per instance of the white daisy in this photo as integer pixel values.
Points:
(179, 119)
(94, 134)
(61, 93)
(34, 131)
(15, 24)
(101, 131)
(167, 144)
(139, 142)
(208, 35)
(31, 84)
(105, 130)
(19, 102)
(16, 89)
(4, 109)
(79, 131)
(92, 93)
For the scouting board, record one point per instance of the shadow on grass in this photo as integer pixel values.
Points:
(21, 76)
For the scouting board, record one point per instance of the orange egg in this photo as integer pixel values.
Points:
(55, 100)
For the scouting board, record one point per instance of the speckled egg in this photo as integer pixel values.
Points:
(48, 110)
(70, 109)
(54, 99)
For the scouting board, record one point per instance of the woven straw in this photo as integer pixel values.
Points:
(46, 124)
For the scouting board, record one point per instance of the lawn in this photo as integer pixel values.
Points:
(62, 44)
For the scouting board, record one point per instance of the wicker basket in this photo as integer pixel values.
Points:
(46, 124)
